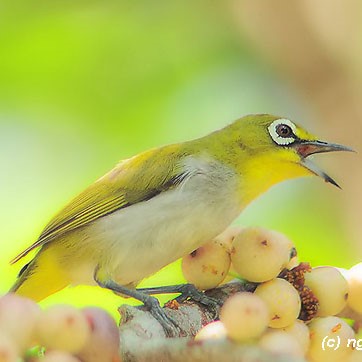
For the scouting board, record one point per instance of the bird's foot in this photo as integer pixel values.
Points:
(169, 325)
(151, 303)
(189, 291)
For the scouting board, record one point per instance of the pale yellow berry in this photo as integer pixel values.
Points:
(344, 272)
(58, 356)
(259, 255)
(9, 351)
(283, 302)
(354, 278)
(300, 332)
(330, 287)
(103, 343)
(281, 343)
(18, 318)
(245, 316)
(207, 266)
(63, 327)
(356, 355)
(226, 237)
(330, 340)
(213, 330)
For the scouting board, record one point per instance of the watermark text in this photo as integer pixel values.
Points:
(335, 342)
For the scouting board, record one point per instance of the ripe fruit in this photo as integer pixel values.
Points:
(226, 237)
(300, 332)
(207, 266)
(63, 327)
(213, 330)
(18, 317)
(58, 356)
(355, 356)
(330, 288)
(245, 316)
(329, 340)
(259, 255)
(103, 342)
(283, 302)
(354, 278)
(279, 342)
(8, 349)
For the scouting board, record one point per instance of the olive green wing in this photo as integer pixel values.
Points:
(132, 181)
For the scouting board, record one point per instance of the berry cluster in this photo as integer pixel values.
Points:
(65, 333)
(294, 308)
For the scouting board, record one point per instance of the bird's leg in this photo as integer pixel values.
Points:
(170, 327)
(187, 291)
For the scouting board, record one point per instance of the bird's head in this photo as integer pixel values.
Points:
(271, 149)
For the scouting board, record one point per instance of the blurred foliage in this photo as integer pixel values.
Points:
(86, 83)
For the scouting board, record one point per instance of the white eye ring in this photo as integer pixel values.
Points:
(282, 141)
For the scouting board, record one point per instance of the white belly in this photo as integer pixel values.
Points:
(139, 240)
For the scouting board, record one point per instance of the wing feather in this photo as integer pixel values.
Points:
(132, 181)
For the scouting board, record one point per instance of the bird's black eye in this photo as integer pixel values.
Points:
(284, 131)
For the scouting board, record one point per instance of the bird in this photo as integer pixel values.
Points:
(164, 203)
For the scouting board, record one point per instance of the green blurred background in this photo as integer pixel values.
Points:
(84, 84)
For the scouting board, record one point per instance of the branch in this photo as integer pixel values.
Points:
(184, 349)
(143, 338)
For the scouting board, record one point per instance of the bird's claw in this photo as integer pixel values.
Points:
(169, 325)
(189, 291)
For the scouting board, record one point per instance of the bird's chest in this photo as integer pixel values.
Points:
(149, 235)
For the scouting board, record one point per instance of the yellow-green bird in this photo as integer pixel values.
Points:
(160, 205)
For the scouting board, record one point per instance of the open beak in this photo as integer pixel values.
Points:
(307, 148)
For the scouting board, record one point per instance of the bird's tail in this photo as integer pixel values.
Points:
(40, 278)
